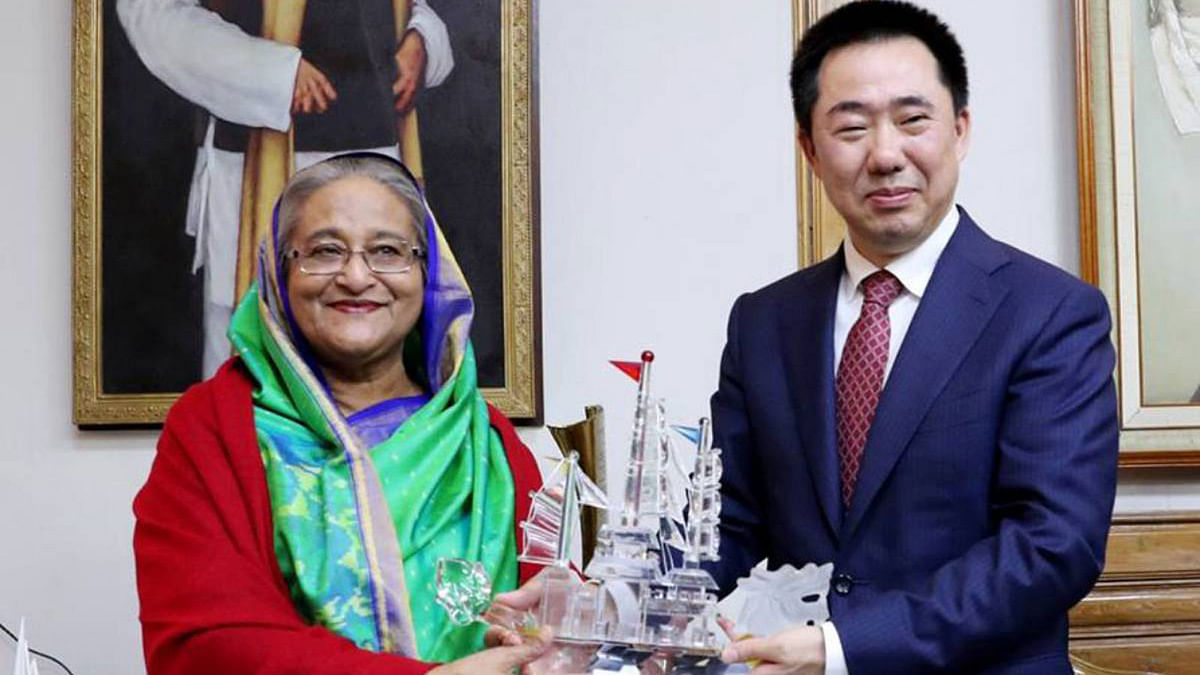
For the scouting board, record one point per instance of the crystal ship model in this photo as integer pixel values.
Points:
(640, 602)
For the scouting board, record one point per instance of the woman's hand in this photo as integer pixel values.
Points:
(497, 660)
(510, 610)
(313, 92)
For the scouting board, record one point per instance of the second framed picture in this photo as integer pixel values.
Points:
(1139, 163)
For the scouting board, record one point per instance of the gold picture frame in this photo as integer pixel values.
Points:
(819, 227)
(1127, 149)
(516, 385)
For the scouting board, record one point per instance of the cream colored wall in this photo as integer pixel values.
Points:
(666, 190)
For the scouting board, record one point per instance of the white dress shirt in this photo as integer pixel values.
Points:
(913, 269)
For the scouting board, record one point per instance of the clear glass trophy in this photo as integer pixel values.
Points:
(644, 601)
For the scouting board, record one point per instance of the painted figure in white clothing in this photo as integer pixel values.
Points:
(339, 89)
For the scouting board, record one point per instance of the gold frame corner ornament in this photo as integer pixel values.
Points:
(520, 397)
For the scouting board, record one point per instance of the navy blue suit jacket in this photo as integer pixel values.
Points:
(986, 489)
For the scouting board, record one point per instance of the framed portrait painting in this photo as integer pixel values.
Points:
(1138, 84)
(190, 115)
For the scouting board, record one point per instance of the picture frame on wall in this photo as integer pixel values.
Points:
(819, 227)
(139, 305)
(1139, 158)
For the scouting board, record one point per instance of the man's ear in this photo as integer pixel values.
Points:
(810, 151)
(962, 131)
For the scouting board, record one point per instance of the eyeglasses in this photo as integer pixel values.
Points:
(392, 258)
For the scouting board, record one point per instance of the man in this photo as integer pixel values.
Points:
(340, 89)
(930, 410)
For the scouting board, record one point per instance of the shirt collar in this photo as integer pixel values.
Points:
(914, 268)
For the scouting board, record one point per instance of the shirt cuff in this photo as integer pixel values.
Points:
(835, 659)
(439, 58)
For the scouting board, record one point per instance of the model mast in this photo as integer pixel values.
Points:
(704, 509)
(630, 550)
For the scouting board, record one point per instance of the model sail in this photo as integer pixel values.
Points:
(554, 513)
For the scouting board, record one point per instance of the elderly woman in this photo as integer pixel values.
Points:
(301, 498)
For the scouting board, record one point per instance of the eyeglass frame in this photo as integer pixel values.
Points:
(419, 255)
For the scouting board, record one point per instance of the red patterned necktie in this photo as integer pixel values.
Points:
(860, 375)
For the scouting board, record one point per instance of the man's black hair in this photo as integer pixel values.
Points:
(871, 21)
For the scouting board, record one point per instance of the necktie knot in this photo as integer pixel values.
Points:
(881, 288)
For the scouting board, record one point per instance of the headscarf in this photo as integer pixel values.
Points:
(358, 530)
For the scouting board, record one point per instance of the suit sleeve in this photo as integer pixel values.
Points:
(741, 529)
(212, 598)
(1051, 502)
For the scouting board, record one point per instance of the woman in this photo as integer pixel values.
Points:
(301, 498)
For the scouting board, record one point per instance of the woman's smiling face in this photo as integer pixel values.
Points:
(356, 317)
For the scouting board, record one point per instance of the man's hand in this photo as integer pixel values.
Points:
(497, 660)
(795, 651)
(313, 91)
(410, 70)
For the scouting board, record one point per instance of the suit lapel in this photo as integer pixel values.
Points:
(806, 326)
(956, 306)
